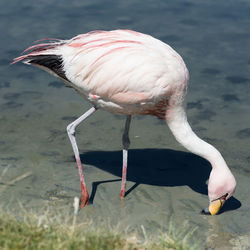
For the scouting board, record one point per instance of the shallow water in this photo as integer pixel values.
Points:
(164, 181)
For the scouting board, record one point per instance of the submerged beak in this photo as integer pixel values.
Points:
(215, 206)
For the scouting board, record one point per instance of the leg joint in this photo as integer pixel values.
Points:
(71, 129)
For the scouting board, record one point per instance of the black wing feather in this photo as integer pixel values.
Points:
(52, 62)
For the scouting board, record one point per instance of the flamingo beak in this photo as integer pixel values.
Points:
(215, 206)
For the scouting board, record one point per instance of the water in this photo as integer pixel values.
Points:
(164, 181)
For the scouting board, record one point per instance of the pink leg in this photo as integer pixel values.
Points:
(126, 143)
(71, 133)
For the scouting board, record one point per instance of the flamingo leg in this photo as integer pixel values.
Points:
(71, 133)
(126, 143)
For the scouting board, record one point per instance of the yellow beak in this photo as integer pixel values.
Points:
(214, 206)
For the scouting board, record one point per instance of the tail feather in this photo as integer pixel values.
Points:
(45, 55)
(40, 49)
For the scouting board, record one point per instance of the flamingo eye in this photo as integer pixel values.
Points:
(224, 196)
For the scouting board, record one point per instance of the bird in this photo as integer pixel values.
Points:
(129, 73)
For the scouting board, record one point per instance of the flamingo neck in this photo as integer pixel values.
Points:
(177, 121)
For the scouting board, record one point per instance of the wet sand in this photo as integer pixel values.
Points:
(164, 181)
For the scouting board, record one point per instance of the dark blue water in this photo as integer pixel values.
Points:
(213, 37)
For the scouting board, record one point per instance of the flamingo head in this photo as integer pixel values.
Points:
(221, 187)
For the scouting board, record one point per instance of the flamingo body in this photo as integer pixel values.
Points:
(121, 71)
(131, 73)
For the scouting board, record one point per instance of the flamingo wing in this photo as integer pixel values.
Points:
(120, 66)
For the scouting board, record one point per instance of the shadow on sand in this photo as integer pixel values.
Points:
(160, 167)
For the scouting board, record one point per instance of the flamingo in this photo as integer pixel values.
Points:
(130, 73)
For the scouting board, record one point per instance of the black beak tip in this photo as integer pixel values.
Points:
(206, 211)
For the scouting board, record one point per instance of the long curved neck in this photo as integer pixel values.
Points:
(177, 121)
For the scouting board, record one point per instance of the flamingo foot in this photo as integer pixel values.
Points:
(84, 200)
(122, 193)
